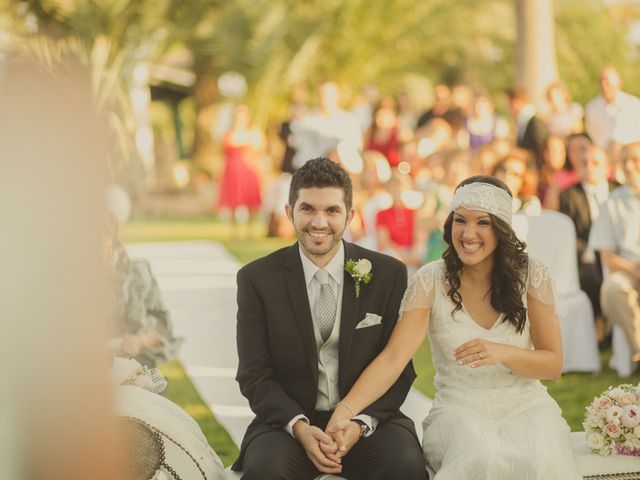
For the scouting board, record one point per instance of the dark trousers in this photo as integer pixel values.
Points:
(590, 282)
(390, 453)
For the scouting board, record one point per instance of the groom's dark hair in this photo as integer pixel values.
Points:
(321, 172)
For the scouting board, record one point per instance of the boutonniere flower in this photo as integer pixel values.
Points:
(360, 271)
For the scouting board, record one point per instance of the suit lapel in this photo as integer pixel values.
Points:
(583, 205)
(299, 300)
(348, 317)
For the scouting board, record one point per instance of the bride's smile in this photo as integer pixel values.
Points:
(473, 237)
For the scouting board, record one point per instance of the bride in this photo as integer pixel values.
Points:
(489, 310)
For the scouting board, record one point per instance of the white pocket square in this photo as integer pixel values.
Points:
(369, 320)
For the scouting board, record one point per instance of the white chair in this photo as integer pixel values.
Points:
(621, 354)
(551, 238)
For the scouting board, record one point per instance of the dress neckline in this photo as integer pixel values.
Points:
(473, 320)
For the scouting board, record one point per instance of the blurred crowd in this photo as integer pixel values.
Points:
(405, 163)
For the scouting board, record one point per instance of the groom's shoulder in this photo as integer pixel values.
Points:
(268, 263)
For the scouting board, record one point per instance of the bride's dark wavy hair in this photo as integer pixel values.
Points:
(510, 265)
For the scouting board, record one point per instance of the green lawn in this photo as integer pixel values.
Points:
(572, 392)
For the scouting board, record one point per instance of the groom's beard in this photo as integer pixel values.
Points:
(319, 247)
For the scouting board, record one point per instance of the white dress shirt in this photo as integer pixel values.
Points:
(328, 393)
(618, 226)
(617, 121)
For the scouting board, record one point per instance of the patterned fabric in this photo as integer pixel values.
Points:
(136, 306)
(325, 305)
(485, 198)
(487, 422)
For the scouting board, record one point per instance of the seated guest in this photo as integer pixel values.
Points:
(513, 170)
(556, 174)
(161, 441)
(531, 130)
(581, 202)
(565, 116)
(141, 324)
(616, 234)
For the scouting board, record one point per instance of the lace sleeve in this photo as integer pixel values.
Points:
(539, 284)
(421, 290)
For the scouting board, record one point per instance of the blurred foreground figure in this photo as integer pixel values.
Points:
(162, 441)
(55, 403)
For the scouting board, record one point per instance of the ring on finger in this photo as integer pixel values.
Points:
(481, 355)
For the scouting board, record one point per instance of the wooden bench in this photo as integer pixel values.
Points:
(590, 466)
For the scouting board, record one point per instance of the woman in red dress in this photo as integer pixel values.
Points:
(240, 185)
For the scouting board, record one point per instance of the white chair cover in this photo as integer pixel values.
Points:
(551, 238)
(621, 353)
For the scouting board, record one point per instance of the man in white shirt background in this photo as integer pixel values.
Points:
(614, 115)
(616, 234)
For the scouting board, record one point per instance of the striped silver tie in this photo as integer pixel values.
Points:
(325, 305)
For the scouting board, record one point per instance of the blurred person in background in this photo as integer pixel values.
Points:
(449, 169)
(616, 235)
(320, 132)
(531, 130)
(577, 146)
(365, 105)
(556, 174)
(384, 134)
(371, 197)
(614, 115)
(441, 103)
(407, 116)
(564, 116)
(512, 169)
(581, 202)
(243, 147)
(395, 225)
(484, 124)
(296, 110)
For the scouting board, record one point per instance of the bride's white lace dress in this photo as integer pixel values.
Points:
(487, 423)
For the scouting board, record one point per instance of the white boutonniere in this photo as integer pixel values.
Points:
(360, 271)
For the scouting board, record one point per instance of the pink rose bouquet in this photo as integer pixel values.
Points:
(612, 421)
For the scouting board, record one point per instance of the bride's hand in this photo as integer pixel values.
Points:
(479, 352)
(345, 433)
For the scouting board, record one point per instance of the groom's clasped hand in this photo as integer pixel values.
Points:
(326, 448)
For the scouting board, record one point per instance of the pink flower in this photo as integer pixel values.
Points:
(630, 416)
(627, 398)
(602, 403)
(612, 429)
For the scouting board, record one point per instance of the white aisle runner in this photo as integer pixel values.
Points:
(198, 283)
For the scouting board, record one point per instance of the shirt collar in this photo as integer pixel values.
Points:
(335, 267)
(526, 114)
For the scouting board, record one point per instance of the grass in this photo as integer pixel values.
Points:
(572, 392)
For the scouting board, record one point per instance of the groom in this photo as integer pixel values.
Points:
(306, 330)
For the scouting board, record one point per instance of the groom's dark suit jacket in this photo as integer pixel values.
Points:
(278, 369)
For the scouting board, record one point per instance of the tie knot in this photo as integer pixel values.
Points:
(323, 276)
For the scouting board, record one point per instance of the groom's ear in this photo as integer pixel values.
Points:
(288, 209)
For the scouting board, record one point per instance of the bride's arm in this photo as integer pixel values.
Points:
(384, 370)
(544, 362)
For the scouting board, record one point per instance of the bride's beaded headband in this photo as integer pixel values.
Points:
(485, 198)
